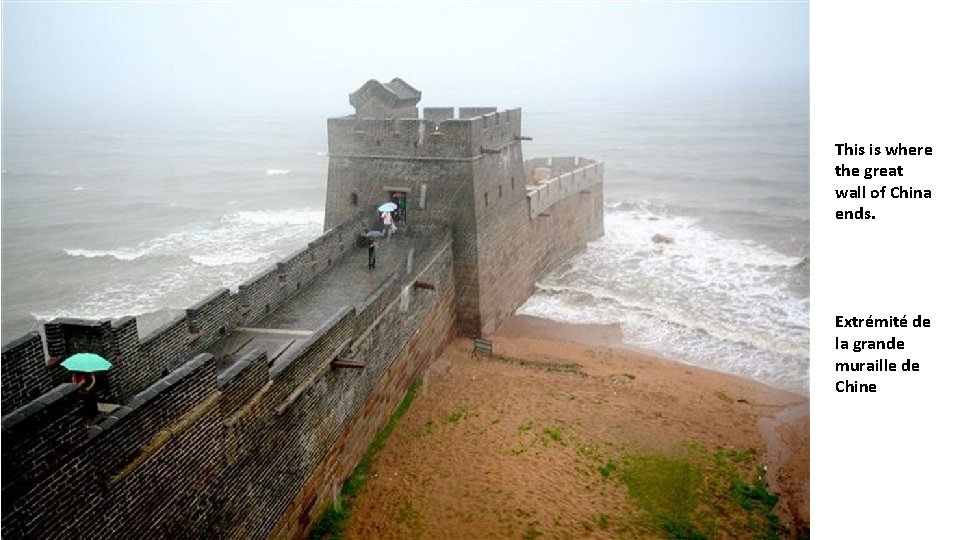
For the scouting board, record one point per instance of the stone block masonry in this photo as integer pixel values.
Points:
(208, 453)
(25, 376)
(532, 237)
(243, 416)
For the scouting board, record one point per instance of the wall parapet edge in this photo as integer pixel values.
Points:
(571, 175)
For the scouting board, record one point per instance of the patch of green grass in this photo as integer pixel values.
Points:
(699, 494)
(555, 433)
(607, 469)
(526, 426)
(334, 520)
(603, 521)
(458, 414)
(755, 499)
(665, 488)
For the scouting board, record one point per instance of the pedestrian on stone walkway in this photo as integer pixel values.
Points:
(372, 253)
(388, 227)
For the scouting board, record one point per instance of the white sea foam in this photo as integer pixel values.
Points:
(277, 172)
(237, 238)
(195, 259)
(79, 188)
(722, 303)
(225, 259)
(119, 254)
(128, 298)
(301, 216)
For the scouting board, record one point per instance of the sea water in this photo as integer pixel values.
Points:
(706, 253)
(705, 257)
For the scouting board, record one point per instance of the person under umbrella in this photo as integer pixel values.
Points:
(83, 368)
(388, 226)
(371, 237)
(84, 380)
(386, 215)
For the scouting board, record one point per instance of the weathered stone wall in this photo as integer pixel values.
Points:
(465, 171)
(199, 454)
(419, 335)
(516, 249)
(498, 196)
(25, 377)
(567, 181)
(374, 109)
(212, 318)
(368, 156)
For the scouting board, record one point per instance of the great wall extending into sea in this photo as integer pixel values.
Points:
(242, 417)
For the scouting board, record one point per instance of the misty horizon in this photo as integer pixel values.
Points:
(80, 61)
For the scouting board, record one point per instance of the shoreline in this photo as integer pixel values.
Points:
(502, 443)
(602, 335)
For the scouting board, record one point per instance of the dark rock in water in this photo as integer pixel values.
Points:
(661, 239)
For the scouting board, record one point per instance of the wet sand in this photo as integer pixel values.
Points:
(511, 446)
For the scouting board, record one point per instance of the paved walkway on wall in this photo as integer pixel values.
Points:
(347, 283)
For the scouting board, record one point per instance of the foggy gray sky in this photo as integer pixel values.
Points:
(153, 58)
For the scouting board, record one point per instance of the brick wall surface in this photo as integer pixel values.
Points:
(211, 318)
(201, 454)
(390, 381)
(25, 375)
(516, 257)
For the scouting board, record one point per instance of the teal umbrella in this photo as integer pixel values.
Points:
(86, 362)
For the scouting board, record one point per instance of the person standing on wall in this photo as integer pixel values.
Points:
(388, 227)
(371, 252)
(403, 209)
(397, 213)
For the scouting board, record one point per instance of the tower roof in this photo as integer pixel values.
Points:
(394, 94)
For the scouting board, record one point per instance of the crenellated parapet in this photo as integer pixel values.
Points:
(438, 135)
(193, 434)
(554, 179)
(25, 374)
(139, 361)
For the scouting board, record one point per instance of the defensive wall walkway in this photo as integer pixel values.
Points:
(349, 282)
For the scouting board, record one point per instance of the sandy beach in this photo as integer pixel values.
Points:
(565, 432)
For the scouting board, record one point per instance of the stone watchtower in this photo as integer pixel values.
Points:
(462, 167)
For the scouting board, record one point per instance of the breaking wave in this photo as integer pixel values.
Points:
(170, 269)
(679, 289)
